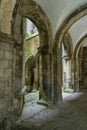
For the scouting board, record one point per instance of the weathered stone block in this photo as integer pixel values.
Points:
(5, 46)
(8, 73)
(8, 55)
(1, 73)
(1, 54)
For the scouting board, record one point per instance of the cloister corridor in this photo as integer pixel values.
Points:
(43, 64)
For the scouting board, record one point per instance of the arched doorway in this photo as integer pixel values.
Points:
(57, 49)
(32, 43)
(67, 50)
(32, 11)
(80, 61)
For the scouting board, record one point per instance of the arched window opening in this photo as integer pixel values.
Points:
(31, 60)
(82, 65)
(66, 65)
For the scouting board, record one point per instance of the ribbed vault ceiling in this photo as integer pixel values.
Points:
(78, 30)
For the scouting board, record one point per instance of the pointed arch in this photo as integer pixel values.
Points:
(78, 45)
(30, 9)
(57, 48)
(67, 41)
(34, 12)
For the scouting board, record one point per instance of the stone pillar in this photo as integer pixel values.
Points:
(72, 73)
(76, 75)
(17, 88)
(6, 81)
(36, 72)
(68, 73)
(36, 79)
(44, 77)
(57, 75)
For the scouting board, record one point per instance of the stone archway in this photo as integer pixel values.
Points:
(79, 44)
(57, 62)
(30, 9)
(77, 63)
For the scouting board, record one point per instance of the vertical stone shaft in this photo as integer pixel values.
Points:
(57, 75)
(44, 73)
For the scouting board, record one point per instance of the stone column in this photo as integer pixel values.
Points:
(68, 73)
(57, 75)
(76, 75)
(17, 86)
(72, 72)
(36, 73)
(44, 77)
(36, 86)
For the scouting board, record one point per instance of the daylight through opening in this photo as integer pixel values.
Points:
(31, 71)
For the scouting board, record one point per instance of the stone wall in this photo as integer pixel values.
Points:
(6, 9)
(32, 45)
(6, 77)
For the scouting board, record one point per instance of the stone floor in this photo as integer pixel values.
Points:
(71, 114)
